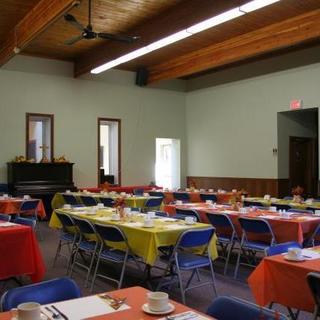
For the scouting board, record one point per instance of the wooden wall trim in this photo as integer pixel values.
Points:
(254, 186)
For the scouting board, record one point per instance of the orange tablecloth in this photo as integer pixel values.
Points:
(295, 229)
(12, 205)
(136, 297)
(281, 281)
(195, 196)
(20, 253)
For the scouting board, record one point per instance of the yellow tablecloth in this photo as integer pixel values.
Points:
(143, 241)
(294, 205)
(133, 202)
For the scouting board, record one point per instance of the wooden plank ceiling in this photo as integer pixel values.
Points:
(285, 24)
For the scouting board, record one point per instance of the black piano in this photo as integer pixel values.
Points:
(40, 180)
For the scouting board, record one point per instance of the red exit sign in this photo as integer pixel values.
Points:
(295, 104)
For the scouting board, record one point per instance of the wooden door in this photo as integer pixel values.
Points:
(303, 164)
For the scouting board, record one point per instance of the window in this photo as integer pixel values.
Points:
(39, 137)
(109, 151)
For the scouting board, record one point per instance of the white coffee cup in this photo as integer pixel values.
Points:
(126, 210)
(209, 201)
(317, 212)
(158, 301)
(5, 195)
(67, 206)
(187, 189)
(295, 253)
(29, 311)
(151, 214)
(100, 205)
(266, 197)
(68, 191)
(115, 217)
(85, 191)
(146, 194)
(210, 190)
(309, 201)
(243, 210)
(189, 220)
(234, 190)
(123, 194)
(26, 197)
(148, 223)
(179, 202)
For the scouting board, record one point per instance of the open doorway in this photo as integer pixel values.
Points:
(298, 151)
(167, 168)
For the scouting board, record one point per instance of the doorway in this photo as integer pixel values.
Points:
(167, 167)
(303, 164)
(298, 151)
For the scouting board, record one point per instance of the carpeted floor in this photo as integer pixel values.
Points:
(199, 298)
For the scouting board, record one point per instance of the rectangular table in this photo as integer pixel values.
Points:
(296, 228)
(12, 206)
(132, 201)
(278, 280)
(143, 241)
(136, 297)
(20, 253)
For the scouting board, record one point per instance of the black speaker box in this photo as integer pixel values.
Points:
(142, 77)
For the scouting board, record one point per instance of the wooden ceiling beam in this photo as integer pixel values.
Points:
(291, 32)
(175, 19)
(44, 13)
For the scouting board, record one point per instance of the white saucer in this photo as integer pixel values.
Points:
(294, 259)
(42, 317)
(146, 309)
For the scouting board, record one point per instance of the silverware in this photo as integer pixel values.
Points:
(115, 303)
(54, 314)
(59, 312)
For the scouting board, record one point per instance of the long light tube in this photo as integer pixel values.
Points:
(201, 26)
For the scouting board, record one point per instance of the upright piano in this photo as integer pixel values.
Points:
(40, 180)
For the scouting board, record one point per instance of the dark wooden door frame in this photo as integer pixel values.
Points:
(119, 147)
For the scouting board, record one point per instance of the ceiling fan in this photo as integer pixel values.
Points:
(88, 33)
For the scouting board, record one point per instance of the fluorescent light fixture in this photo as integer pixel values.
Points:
(256, 4)
(127, 57)
(168, 40)
(203, 25)
(214, 21)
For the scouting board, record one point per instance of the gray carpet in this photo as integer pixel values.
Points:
(199, 298)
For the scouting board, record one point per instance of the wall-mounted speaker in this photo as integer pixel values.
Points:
(142, 77)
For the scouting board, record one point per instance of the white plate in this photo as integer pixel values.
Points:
(146, 309)
(294, 259)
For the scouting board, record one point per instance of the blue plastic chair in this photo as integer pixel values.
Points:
(107, 202)
(68, 237)
(279, 206)
(250, 227)
(301, 211)
(182, 259)
(313, 279)
(45, 292)
(182, 196)
(115, 256)
(281, 248)
(226, 234)
(156, 194)
(5, 217)
(138, 192)
(207, 196)
(88, 201)
(161, 214)
(152, 204)
(26, 222)
(71, 199)
(315, 237)
(88, 244)
(188, 212)
(231, 308)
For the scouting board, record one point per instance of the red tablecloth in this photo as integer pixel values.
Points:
(12, 205)
(20, 253)
(295, 229)
(281, 281)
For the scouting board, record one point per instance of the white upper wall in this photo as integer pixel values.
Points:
(146, 114)
(232, 128)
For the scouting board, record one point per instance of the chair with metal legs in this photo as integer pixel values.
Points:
(226, 234)
(112, 234)
(71, 199)
(313, 279)
(88, 201)
(182, 259)
(69, 236)
(188, 213)
(250, 247)
(88, 244)
(5, 217)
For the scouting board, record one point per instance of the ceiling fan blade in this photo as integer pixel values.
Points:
(72, 20)
(73, 40)
(117, 37)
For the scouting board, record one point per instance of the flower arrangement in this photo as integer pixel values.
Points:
(119, 205)
(297, 194)
(192, 185)
(22, 159)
